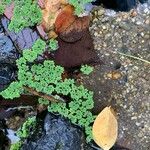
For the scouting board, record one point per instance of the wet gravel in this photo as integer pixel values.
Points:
(121, 81)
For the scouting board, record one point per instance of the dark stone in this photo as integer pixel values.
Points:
(143, 1)
(58, 134)
(118, 147)
(8, 56)
(6, 114)
(4, 141)
(8, 52)
(1, 28)
(119, 5)
(7, 75)
(117, 65)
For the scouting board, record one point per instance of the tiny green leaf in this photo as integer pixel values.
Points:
(85, 69)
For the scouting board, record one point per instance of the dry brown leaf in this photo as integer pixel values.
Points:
(51, 10)
(105, 128)
(115, 75)
(64, 19)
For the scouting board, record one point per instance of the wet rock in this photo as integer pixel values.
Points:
(124, 26)
(101, 12)
(24, 39)
(1, 28)
(58, 134)
(129, 95)
(6, 114)
(3, 139)
(124, 5)
(7, 50)
(8, 56)
(7, 75)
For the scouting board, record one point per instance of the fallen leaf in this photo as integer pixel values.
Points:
(64, 19)
(114, 75)
(51, 9)
(105, 129)
(9, 11)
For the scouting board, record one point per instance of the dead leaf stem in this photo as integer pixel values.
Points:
(42, 95)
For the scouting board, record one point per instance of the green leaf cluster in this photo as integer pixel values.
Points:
(16, 146)
(14, 90)
(85, 69)
(46, 77)
(43, 101)
(24, 132)
(79, 5)
(25, 76)
(78, 109)
(3, 4)
(53, 44)
(26, 13)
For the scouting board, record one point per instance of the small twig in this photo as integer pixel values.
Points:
(48, 97)
(19, 107)
(134, 57)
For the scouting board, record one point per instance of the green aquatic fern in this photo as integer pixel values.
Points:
(79, 5)
(25, 76)
(14, 90)
(43, 101)
(53, 44)
(2, 8)
(85, 69)
(46, 78)
(16, 146)
(3, 4)
(78, 109)
(25, 13)
(24, 132)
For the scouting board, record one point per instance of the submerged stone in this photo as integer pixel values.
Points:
(8, 52)
(58, 134)
(7, 75)
(8, 56)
